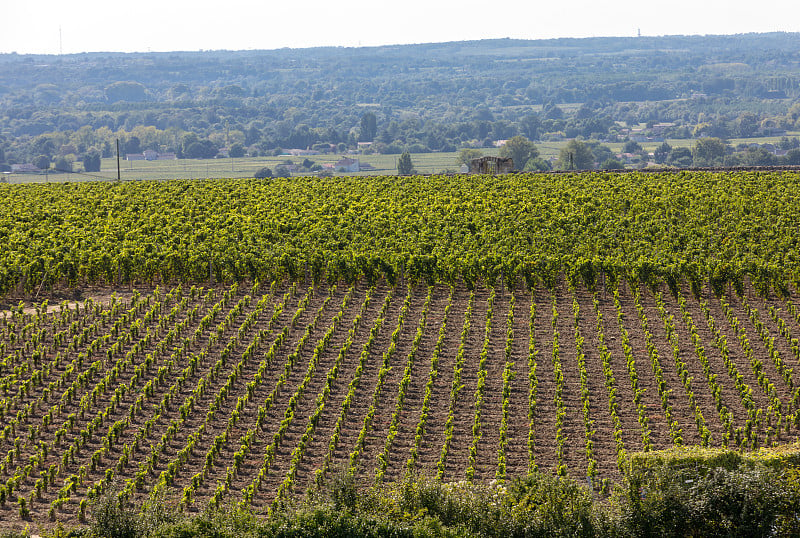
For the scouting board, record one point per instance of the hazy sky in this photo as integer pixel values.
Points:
(32, 26)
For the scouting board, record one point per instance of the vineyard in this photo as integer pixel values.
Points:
(453, 333)
(722, 227)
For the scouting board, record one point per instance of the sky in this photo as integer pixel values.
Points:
(56, 26)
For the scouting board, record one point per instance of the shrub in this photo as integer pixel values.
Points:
(263, 173)
(113, 518)
(343, 490)
(282, 171)
(712, 492)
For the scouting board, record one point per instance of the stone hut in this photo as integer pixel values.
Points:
(491, 165)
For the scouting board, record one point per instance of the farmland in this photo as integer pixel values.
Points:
(468, 328)
(251, 394)
(246, 167)
(690, 226)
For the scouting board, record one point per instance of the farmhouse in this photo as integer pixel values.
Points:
(151, 155)
(25, 167)
(348, 165)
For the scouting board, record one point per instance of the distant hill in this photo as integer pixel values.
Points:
(432, 96)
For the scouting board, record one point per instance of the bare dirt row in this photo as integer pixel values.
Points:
(319, 335)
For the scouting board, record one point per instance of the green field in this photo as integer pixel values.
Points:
(591, 354)
(424, 163)
(681, 226)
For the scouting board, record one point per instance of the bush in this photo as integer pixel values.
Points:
(537, 164)
(62, 164)
(311, 521)
(612, 164)
(393, 149)
(343, 491)
(712, 492)
(263, 173)
(112, 518)
(698, 492)
(539, 505)
(741, 502)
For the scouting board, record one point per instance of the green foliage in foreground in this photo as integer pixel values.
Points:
(684, 492)
(687, 226)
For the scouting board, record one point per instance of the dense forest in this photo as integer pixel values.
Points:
(417, 98)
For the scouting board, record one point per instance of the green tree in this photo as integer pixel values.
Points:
(467, 154)
(126, 91)
(631, 146)
(282, 171)
(785, 143)
(746, 124)
(661, 153)
(262, 173)
(680, 157)
(551, 111)
(132, 145)
(43, 145)
(61, 164)
(520, 149)
(236, 150)
(42, 162)
(601, 153)
(793, 157)
(576, 155)
(202, 149)
(369, 127)
(530, 125)
(91, 162)
(537, 164)
(404, 165)
(612, 164)
(758, 157)
(708, 152)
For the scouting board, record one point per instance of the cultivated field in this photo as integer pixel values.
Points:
(252, 394)
(244, 167)
(458, 327)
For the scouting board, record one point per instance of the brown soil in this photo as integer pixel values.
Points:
(31, 406)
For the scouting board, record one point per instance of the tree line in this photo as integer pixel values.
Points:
(415, 98)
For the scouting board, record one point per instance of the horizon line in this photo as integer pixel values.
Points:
(410, 44)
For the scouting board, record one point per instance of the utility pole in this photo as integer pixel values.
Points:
(118, 173)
